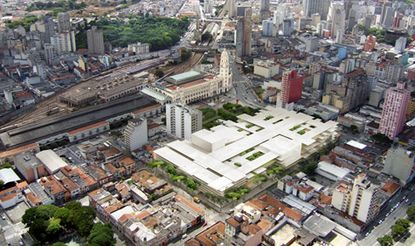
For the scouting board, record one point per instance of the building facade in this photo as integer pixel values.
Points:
(136, 134)
(95, 39)
(393, 117)
(182, 121)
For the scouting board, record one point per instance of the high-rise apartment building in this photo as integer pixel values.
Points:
(291, 87)
(370, 43)
(64, 42)
(49, 28)
(50, 54)
(316, 6)
(359, 199)
(64, 22)
(393, 116)
(264, 10)
(400, 163)
(244, 31)
(225, 72)
(231, 8)
(337, 17)
(136, 134)
(267, 28)
(182, 121)
(95, 38)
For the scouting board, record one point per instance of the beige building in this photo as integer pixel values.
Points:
(265, 68)
(399, 163)
(360, 200)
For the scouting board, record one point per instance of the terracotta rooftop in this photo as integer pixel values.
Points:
(212, 236)
(18, 150)
(110, 152)
(33, 198)
(126, 161)
(390, 187)
(233, 222)
(190, 204)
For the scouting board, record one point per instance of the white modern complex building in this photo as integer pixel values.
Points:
(182, 121)
(230, 154)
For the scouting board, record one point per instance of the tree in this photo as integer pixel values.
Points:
(398, 231)
(54, 226)
(63, 214)
(101, 235)
(385, 240)
(1, 183)
(309, 167)
(403, 222)
(411, 213)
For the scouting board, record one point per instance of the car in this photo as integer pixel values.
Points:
(407, 200)
(184, 236)
(380, 222)
(387, 214)
(3, 217)
(367, 234)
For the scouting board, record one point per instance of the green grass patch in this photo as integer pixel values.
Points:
(237, 164)
(295, 127)
(255, 156)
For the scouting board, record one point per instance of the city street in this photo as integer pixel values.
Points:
(381, 226)
(243, 89)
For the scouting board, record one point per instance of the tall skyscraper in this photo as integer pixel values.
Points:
(316, 6)
(182, 121)
(64, 22)
(50, 54)
(95, 38)
(291, 88)
(264, 11)
(244, 31)
(400, 44)
(208, 7)
(231, 7)
(49, 28)
(225, 72)
(337, 17)
(267, 28)
(393, 117)
(64, 42)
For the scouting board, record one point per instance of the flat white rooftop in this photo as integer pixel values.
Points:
(228, 154)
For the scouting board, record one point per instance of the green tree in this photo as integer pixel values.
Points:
(1, 183)
(403, 222)
(398, 231)
(63, 214)
(101, 235)
(54, 226)
(385, 240)
(411, 213)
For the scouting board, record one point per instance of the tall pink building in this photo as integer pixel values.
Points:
(394, 110)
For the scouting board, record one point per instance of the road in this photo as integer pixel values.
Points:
(243, 88)
(377, 229)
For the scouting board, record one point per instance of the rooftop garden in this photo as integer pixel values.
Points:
(229, 111)
(295, 127)
(255, 156)
(235, 194)
(246, 151)
(175, 175)
(269, 117)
